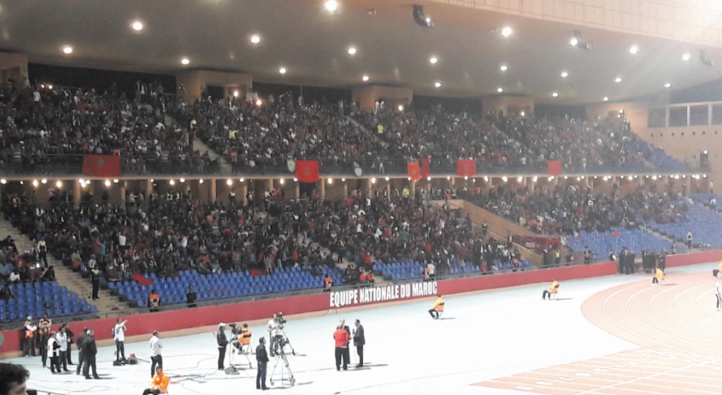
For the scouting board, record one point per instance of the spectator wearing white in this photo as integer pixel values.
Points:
(121, 244)
(155, 353)
(272, 327)
(119, 337)
(432, 271)
(62, 339)
(14, 277)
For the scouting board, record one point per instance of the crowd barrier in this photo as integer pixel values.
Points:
(146, 323)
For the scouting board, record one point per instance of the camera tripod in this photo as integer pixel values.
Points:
(285, 367)
(235, 353)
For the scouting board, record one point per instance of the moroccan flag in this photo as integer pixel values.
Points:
(465, 167)
(554, 167)
(142, 280)
(307, 170)
(101, 165)
(414, 171)
(425, 168)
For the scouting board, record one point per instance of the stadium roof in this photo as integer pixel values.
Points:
(312, 44)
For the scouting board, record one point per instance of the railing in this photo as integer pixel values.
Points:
(71, 165)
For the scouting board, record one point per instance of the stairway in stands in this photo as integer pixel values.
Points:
(201, 147)
(65, 276)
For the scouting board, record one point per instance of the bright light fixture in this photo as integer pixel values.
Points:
(282, 70)
(259, 102)
(686, 56)
(499, 90)
(555, 94)
(618, 79)
(229, 182)
(433, 60)
(331, 5)
(182, 180)
(365, 78)
(44, 181)
(667, 85)
(605, 98)
(185, 61)
(564, 74)
(67, 49)
(437, 84)
(352, 51)
(3, 181)
(137, 26)
(107, 183)
(235, 93)
(401, 108)
(633, 49)
(255, 39)
(503, 68)
(574, 41)
(506, 31)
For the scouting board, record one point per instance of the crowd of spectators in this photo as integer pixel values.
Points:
(166, 234)
(443, 138)
(257, 138)
(584, 146)
(571, 209)
(48, 129)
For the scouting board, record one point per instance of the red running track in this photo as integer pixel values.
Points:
(676, 327)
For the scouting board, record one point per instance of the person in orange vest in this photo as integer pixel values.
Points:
(658, 276)
(244, 339)
(327, 283)
(362, 278)
(426, 273)
(153, 301)
(159, 384)
(552, 290)
(342, 337)
(438, 308)
(370, 278)
(30, 329)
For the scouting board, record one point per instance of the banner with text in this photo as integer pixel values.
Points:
(385, 293)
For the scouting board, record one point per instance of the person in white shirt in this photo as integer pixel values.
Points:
(432, 271)
(272, 332)
(119, 337)
(63, 343)
(54, 353)
(155, 353)
(14, 277)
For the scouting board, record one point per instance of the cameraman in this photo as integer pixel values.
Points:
(273, 329)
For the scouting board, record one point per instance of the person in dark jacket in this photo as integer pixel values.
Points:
(90, 349)
(191, 297)
(80, 343)
(359, 340)
(222, 343)
(262, 359)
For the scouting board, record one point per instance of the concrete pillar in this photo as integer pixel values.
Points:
(212, 189)
(196, 81)
(366, 96)
(322, 189)
(123, 187)
(77, 193)
(244, 192)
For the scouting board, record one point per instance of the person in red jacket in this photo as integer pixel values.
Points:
(341, 337)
